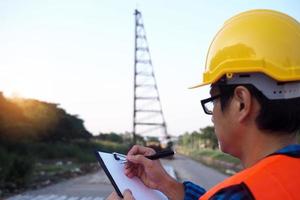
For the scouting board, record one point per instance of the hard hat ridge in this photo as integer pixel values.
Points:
(268, 86)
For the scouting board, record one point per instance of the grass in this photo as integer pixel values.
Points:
(53, 168)
(23, 163)
(218, 155)
(213, 158)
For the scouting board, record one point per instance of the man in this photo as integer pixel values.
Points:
(253, 66)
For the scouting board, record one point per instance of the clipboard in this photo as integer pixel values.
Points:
(114, 169)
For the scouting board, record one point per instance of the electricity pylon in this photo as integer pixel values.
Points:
(148, 118)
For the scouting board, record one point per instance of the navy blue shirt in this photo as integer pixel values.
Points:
(234, 192)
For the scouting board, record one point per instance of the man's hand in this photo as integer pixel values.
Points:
(151, 172)
(127, 196)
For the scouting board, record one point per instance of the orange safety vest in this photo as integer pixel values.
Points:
(275, 177)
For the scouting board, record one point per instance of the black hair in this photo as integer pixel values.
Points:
(281, 115)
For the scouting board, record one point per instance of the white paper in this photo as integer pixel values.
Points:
(138, 189)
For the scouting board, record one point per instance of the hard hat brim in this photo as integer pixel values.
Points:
(199, 85)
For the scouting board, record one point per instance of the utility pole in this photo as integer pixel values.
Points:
(148, 118)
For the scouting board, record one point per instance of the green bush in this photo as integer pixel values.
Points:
(226, 157)
(215, 154)
(80, 150)
(20, 170)
(15, 169)
(4, 163)
(17, 160)
(49, 151)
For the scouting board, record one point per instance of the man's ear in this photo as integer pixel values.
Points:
(243, 102)
(242, 106)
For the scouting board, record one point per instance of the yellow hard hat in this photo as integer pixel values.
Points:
(263, 41)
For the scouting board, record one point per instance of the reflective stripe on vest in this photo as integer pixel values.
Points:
(275, 177)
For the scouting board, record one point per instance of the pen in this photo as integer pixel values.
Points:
(161, 154)
(158, 155)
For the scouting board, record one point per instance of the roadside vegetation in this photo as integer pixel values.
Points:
(40, 144)
(202, 146)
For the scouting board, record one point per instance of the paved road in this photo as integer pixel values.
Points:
(188, 169)
(97, 187)
(90, 187)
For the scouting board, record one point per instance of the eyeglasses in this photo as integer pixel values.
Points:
(208, 104)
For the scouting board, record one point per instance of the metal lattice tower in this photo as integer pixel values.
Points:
(148, 118)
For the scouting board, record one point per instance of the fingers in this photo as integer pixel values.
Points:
(128, 195)
(131, 170)
(137, 149)
(136, 165)
(113, 196)
(139, 159)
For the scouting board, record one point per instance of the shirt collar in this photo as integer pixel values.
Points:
(292, 150)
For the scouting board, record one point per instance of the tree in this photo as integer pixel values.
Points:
(31, 119)
(205, 138)
(113, 137)
(209, 137)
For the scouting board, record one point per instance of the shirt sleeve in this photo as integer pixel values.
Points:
(192, 191)
(233, 192)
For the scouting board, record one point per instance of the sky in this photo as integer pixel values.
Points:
(80, 54)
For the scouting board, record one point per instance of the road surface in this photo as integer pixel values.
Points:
(97, 186)
(188, 169)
